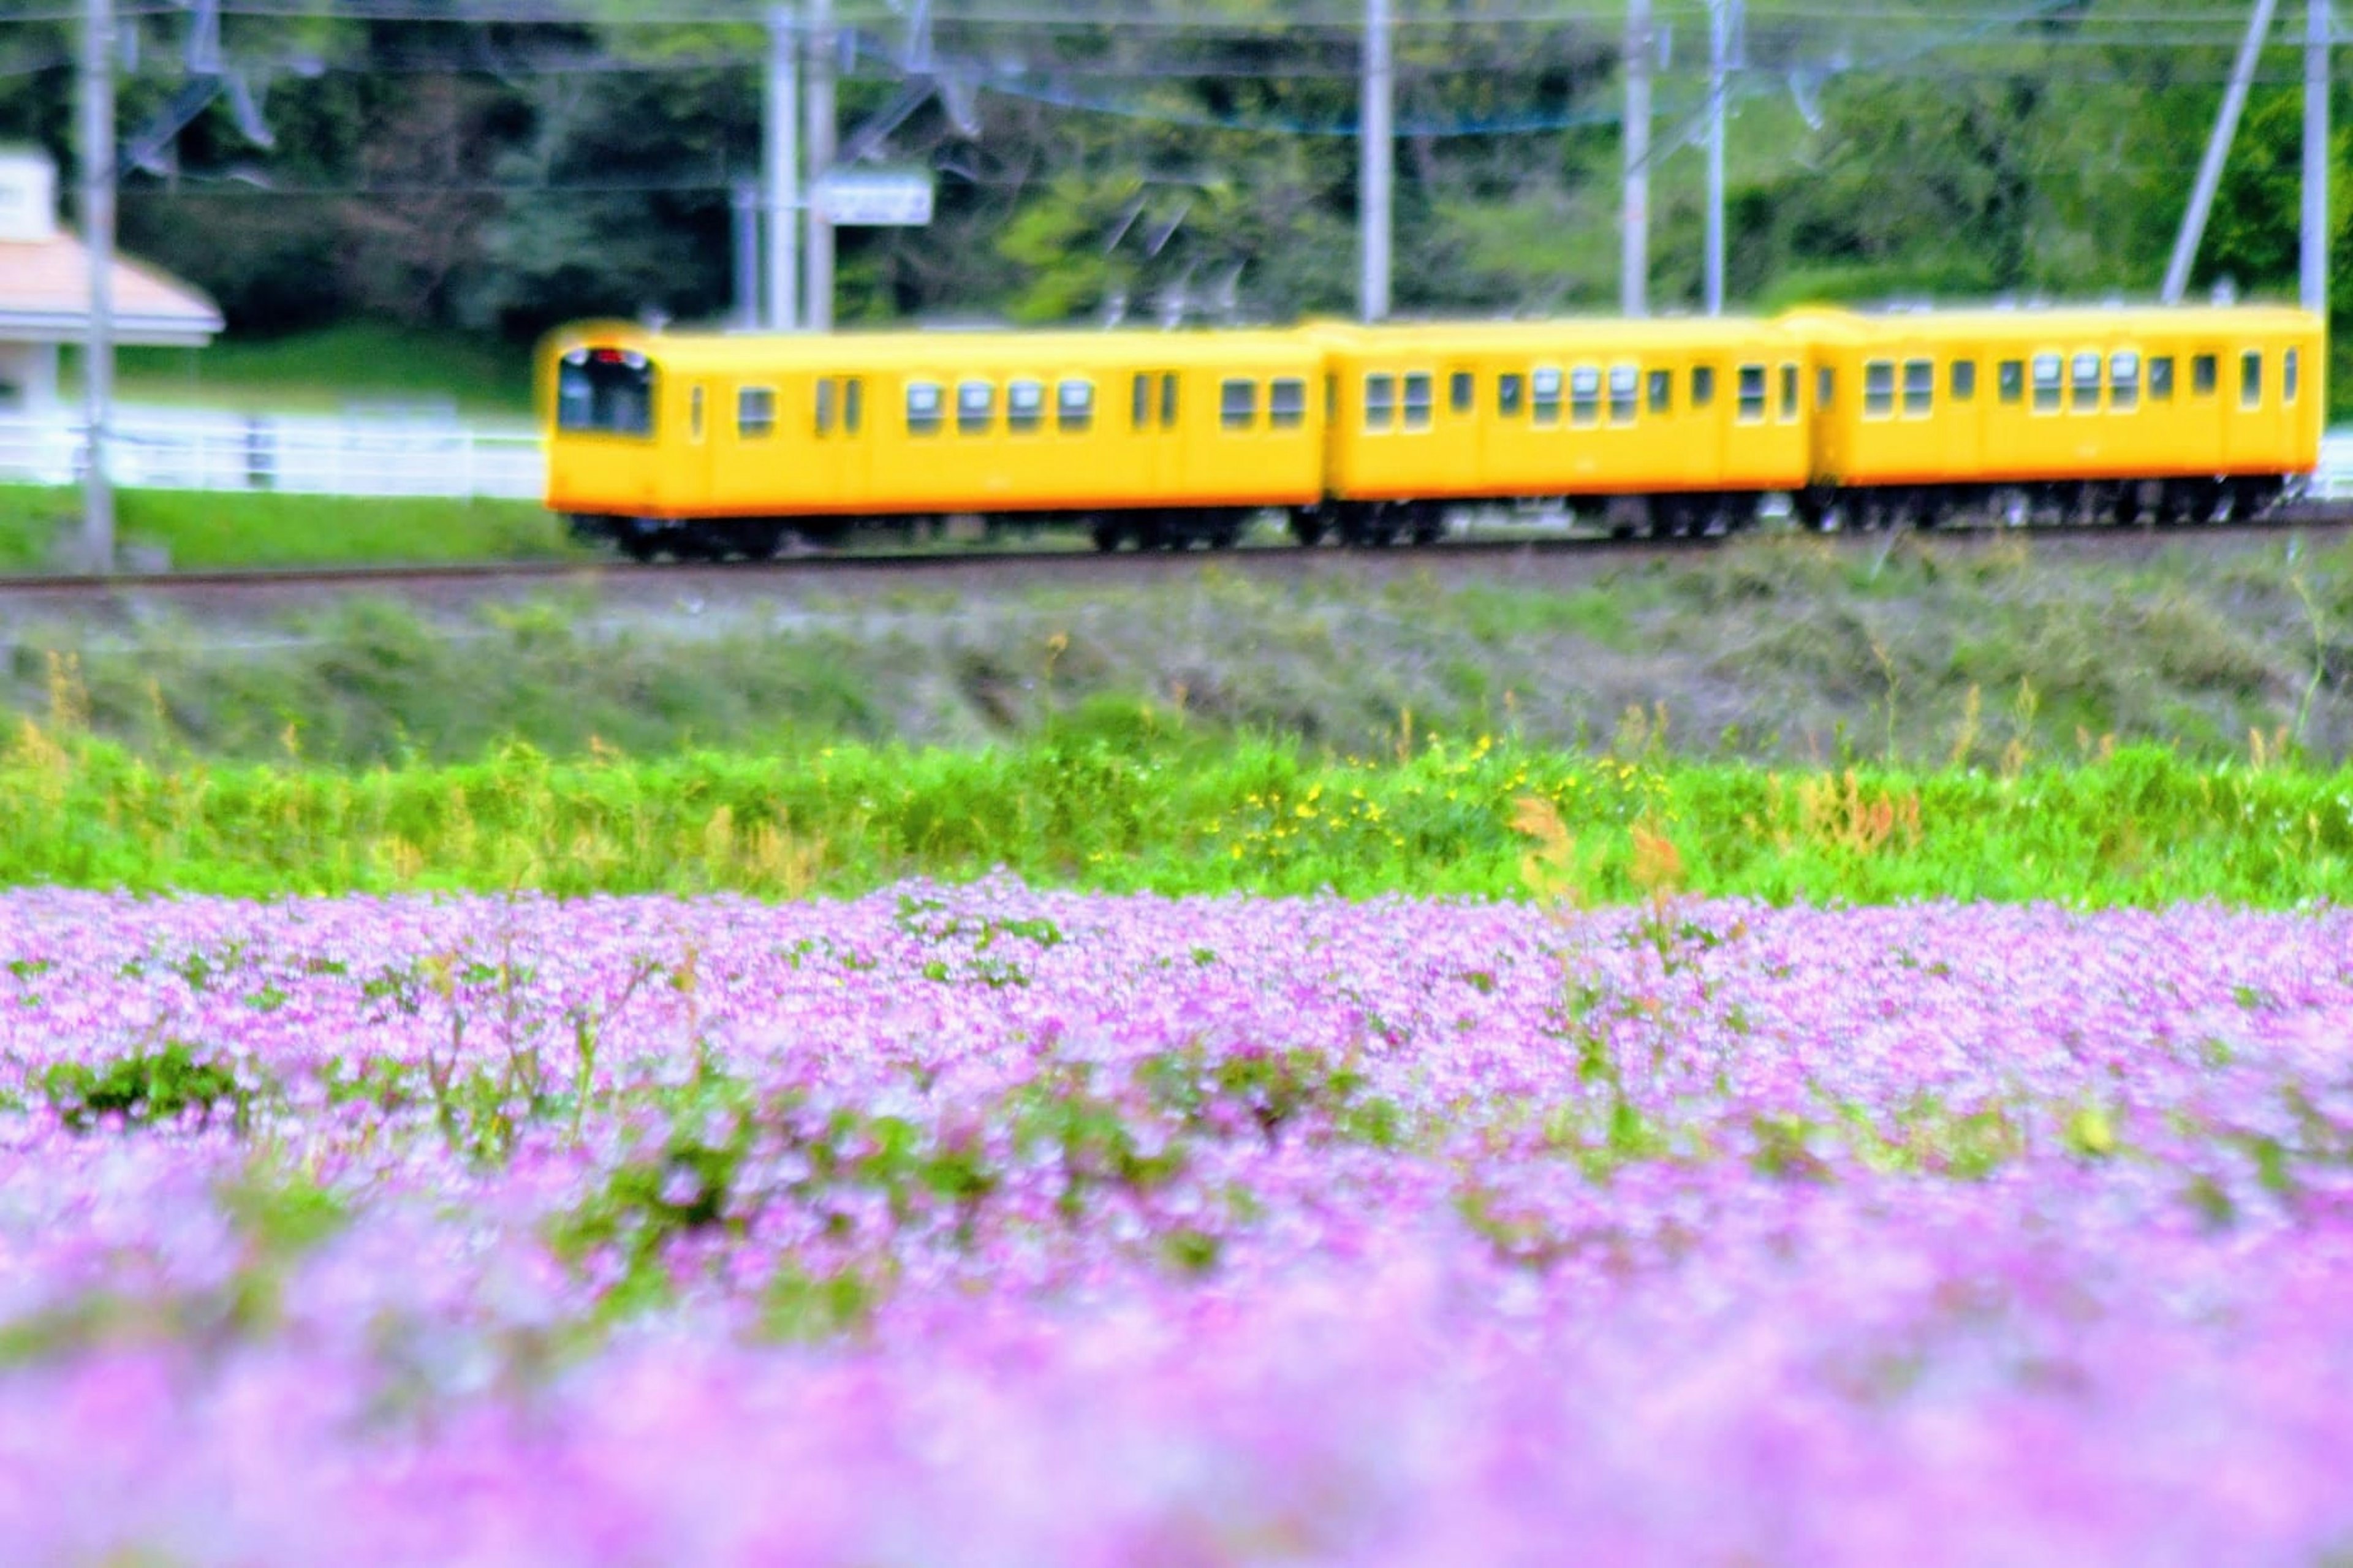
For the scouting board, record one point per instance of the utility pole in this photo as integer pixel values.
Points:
(783, 180)
(1722, 18)
(98, 240)
(2218, 149)
(743, 202)
(820, 137)
(1375, 134)
(1634, 264)
(2316, 157)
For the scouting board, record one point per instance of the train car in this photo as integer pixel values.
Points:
(707, 444)
(1684, 425)
(2176, 413)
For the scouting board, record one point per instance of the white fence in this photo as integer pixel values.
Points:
(354, 455)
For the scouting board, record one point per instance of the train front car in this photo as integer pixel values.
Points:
(704, 446)
(1679, 426)
(2125, 414)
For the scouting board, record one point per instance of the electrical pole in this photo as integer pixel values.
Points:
(2218, 148)
(97, 241)
(1375, 134)
(820, 138)
(2316, 157)
(783, 182)
(1721, 20)
(744, 202)
(1634, 264)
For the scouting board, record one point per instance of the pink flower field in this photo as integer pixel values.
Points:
(987, 1226)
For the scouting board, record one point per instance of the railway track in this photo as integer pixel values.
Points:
(1548, 558)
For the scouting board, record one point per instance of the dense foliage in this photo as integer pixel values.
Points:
(499, 177)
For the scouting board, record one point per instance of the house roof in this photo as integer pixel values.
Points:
(45, 298)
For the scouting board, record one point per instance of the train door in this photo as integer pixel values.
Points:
(1703, 465)
(818, 481)
(696, 470)
(1155, 421)
(1465, 434)
(1966, 397)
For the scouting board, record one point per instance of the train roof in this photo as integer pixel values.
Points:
(2042, 323)
(1587, 332)
(770, 351)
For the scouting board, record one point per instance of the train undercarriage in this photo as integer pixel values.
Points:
(1386, 523)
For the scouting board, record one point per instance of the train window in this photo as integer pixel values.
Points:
(756, 411)
(2010, 380)
(2161, 379)
(1025, 405)
(606, 391)
(1416, 400)
(922, 409)
(1544, 388)
(2124, 382)
(1788, 392)
(853, 403)
(1663, 392)
(2086, 381)
(1511, 390)
(1585, 395)
(1168, 400)
(1140, 410)
(1919, 387)
(1965, 379)
(1238, 404)
(1462, 391)
(1625, 391)
(1380, 402)
(1752, 394)
(975, 407)
(1825, 388)
(2293, 369)
(2251, 379)
(1879, 389)
(1702, 386)
(2205, 371)
(1074, 406)
(824, 410)
(694, 414)
(2050, 383)
(1286, 403)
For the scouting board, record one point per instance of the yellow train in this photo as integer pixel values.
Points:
(702, 444)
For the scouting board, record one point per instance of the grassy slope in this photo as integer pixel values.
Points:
(1787, 651)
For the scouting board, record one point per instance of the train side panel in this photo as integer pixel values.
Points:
(1565, 409)
(2024, 397)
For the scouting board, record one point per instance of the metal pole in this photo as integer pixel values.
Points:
(783, 169)
(1375, 132)
(1719, 59)
(820, 138)
(2316, 157)
(2218, 148)
(98, 240)
(744, 199)
(1634, 263)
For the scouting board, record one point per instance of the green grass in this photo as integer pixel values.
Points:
(1145, 810)
(355, 366)
(199, 530)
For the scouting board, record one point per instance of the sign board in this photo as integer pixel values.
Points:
(873, 198)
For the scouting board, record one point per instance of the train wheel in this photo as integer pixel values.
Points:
(1105, 532)
(640, 548)
(1429, 524)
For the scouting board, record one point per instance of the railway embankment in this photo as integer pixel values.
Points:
(1782, 650)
